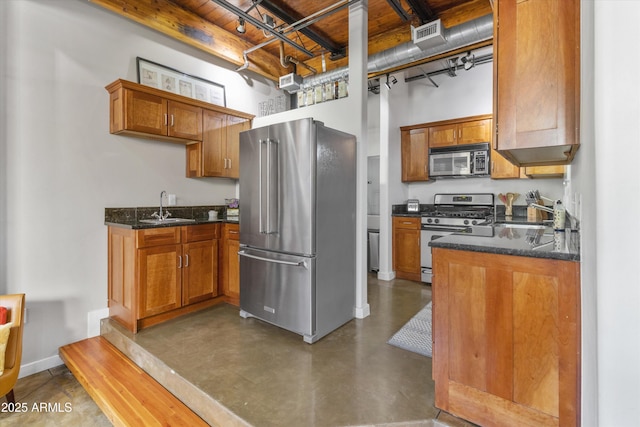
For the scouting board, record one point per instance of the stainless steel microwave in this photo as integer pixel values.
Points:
(460, 161)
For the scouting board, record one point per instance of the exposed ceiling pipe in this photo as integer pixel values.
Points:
(260, 24)
(457, 37)
(296, 26)
(286, 61)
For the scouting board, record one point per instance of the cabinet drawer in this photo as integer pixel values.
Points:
(406, 222)
(196, 233)
(158, 236)
(232, 231)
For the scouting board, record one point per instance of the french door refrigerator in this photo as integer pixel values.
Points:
(297, 226)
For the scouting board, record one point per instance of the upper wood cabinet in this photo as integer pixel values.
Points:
(467, 132)
(415, 154)
(537, 80)
(219, 153)
(147, 112)
(140, 112)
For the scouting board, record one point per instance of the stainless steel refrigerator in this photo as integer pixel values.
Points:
(297, 226)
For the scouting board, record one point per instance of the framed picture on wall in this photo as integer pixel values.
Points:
(174, 81)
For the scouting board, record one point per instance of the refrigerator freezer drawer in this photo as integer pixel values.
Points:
(279, 289)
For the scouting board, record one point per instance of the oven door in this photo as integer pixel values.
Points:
(427, 234)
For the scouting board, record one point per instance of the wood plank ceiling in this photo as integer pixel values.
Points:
(211, 25)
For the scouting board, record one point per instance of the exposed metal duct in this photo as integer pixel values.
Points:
(460, 36)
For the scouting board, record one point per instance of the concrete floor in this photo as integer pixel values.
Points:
(264, 376)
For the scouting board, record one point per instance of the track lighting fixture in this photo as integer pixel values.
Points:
(393, 81)
(241, 27)
(468, 61)
(452, 65)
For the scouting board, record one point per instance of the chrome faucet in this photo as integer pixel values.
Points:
(161, 216)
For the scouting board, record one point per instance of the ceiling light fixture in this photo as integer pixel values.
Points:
(241, 27)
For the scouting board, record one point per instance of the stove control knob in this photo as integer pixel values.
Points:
(436, 220)
(466, 222)
(429, 220)
(474, 222)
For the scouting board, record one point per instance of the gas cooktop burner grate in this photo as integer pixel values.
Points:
(479, 213)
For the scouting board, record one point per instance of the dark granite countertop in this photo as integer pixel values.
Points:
(130, 217)
(518, 239)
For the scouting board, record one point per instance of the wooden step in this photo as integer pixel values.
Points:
(126, 394)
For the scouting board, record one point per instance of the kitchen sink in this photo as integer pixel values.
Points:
(156, 221)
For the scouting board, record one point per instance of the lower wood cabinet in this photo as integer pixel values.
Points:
(406, 247)
(506, 338)
(230, 263)
(159, 273)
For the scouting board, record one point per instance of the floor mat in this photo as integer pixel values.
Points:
(415, 335)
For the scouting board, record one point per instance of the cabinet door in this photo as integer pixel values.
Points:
(230, 268)
(511, 315)
(200, 271)
(145, 113)
(235, 125)
(194, 160)
(475, 131)
(502, 168)
(537, 80)
(185, 121)
(214, 143)
(444, 135)
(159, 279)
(406, 248)
(233, 269)
(544, 171)
(415, 155)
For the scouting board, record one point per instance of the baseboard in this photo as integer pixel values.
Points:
(362, 312)
(93, 321)
(39, 366)
(386, 275)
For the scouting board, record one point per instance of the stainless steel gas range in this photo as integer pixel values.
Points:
(454, 213)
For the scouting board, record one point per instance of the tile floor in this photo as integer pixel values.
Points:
(270, 377)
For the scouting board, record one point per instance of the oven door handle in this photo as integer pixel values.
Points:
(443, 229)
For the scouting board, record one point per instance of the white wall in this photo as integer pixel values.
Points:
(63, 167)
(616, 202)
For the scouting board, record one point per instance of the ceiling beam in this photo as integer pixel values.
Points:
(258, 23)
(397, 7)
(289, 18)
(422, 10)
(177, 23)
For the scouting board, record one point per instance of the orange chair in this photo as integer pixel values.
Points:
(13, 355)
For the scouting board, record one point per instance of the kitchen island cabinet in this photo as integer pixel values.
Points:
(537, 80)
(230, 263)
(506, 338)
(406, 247)
(156, 274)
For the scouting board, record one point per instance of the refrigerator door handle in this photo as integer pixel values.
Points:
(302, 264)
(268, 166)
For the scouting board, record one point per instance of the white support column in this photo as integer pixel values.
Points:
(358, 35)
